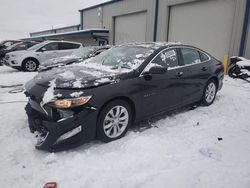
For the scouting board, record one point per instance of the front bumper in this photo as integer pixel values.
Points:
(11, 62)
(52, 133)
(220, 81)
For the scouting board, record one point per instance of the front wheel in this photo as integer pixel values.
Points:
(209, 93)
(114, 121)
(30, 65)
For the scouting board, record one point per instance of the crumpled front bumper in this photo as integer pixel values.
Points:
(52, 132)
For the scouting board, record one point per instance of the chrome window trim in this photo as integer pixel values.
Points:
(181, 66)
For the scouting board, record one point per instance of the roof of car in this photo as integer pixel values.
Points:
(49, 41)
(153, 45)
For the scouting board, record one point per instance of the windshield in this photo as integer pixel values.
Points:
(37, 46)
(128, 57)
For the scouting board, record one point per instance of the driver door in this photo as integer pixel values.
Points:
(161, 91)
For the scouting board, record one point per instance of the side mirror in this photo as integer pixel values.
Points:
(157, 70)
(42, 49)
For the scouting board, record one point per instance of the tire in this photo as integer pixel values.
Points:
(209, 93)
(30, 65)
(109, 127)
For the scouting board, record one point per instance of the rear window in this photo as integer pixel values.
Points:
(203, 56)
(68, 46)
(190, 56)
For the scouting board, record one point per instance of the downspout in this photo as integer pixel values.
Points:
(156, 19)
(81, 19)
(244, 29)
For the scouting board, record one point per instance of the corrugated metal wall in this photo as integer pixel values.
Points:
(110, 11)
(234, 33)
(104, 17)
(247, 49)
(207, 25)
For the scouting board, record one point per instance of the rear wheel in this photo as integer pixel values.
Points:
(30, 65)
(114, 121)
(209, 93)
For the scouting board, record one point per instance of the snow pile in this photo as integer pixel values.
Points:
(49, 94)
(244, 62)
(76, 94)
(68, 75)
(179, 149)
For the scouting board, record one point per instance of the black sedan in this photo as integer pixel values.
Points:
(102, 97)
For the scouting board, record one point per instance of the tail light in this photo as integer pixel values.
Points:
(50, 185)
(223, 67)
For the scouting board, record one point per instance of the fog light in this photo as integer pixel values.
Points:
(69, 134)
(14, 62)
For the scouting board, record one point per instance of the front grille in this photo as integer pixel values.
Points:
(7, 57)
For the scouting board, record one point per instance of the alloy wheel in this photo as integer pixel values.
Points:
(210, 92)
(116, 121)
(30, 65)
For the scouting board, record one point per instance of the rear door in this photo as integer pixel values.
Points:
(161, 91)
(193, 74)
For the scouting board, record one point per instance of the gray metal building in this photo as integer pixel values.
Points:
(213, 25)
(221, 27)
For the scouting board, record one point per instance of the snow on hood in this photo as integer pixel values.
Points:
(76, 77)
(49, 94)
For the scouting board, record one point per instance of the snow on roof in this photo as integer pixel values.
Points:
(88, 4)
(71, 32)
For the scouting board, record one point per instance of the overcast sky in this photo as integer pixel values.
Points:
(20, 17)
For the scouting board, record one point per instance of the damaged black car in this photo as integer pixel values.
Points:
(103, 96)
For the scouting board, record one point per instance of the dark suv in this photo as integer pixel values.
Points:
(101, 97)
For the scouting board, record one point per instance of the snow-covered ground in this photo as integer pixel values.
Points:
(180, 149)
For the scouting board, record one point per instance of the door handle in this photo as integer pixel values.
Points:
(179, 74)
(204, 68)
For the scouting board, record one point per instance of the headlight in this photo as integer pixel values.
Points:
(12, 55)
(69, 103)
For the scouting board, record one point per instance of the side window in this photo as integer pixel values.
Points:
(203, 56)
(190, 56)
(51, 47)
(68, 46)
(167, 58)
(21, 47)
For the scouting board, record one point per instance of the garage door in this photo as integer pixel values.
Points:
(206, 24)
(130, 28)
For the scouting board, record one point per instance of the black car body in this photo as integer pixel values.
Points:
(87, 52)
(16, 47)
(142, 80)
(6, 43)
(239, 67)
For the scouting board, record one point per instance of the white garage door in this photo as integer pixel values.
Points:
(130, 28)
(206, 24)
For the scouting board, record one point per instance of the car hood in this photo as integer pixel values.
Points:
(72, 77)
